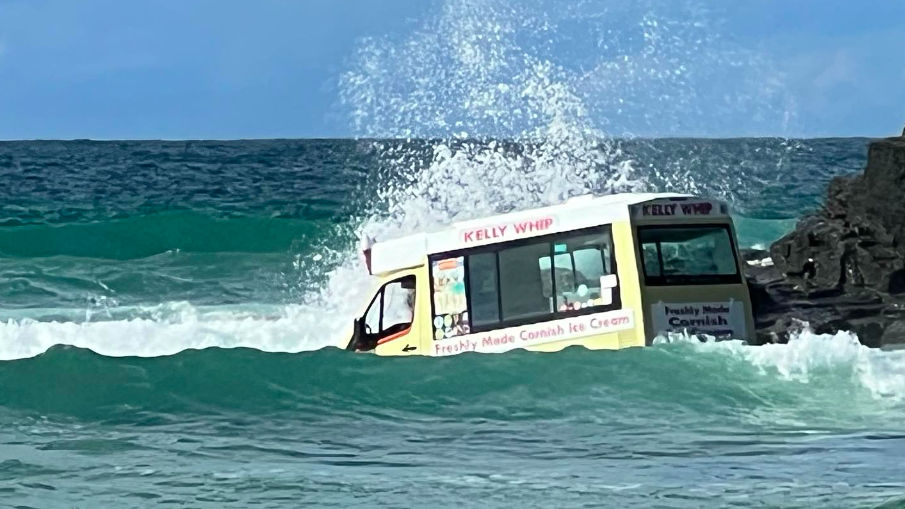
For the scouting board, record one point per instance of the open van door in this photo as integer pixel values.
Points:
(389, 316)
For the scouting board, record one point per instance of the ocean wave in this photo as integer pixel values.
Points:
(774, 386)
(818, 359)
(170, 328)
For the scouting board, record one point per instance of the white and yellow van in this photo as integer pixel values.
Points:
(602, 272)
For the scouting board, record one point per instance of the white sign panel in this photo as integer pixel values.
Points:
(537, 333)
(720, 319)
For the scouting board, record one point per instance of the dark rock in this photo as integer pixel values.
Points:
(894, 334)
(843, 268)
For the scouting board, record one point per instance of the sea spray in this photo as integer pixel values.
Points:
(495, 69)
(470, 74)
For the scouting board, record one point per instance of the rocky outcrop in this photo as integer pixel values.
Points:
(842, 268)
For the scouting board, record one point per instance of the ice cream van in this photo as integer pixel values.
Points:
(603, 272)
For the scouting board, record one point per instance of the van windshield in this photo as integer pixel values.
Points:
(677, 255)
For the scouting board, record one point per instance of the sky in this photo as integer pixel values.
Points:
(223, 69)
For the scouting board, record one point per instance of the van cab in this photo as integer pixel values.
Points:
(604, 272)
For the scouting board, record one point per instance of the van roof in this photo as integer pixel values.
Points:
(577, 213)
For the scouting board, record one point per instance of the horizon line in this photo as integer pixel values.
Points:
(428, 138)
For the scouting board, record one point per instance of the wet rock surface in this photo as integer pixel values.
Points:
(842, 268)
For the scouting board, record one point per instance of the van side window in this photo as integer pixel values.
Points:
(484, 291)
(524, 282)
(584, 276)
(372, 317)
(398, 305)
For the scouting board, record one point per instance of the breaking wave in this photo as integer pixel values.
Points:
(820, 380)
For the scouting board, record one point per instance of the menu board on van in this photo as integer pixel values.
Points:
(450, 317)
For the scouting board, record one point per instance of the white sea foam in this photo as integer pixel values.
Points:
(174, 327)
(881, 372)
(808, 356)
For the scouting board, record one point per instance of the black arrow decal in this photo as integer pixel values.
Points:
(409, 348)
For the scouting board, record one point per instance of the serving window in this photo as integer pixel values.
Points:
(522, 282)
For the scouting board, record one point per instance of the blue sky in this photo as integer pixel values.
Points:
(130, 69)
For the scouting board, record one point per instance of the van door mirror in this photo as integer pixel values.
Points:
(356, 335)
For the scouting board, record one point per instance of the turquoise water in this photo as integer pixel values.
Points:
(678, 425)
(167, 311)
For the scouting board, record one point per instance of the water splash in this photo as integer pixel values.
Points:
(809, 355)
(557, 81)
(809, 358)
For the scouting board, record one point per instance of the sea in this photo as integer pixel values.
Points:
(171, 311)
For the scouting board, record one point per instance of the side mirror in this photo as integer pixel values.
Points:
(356, 335)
